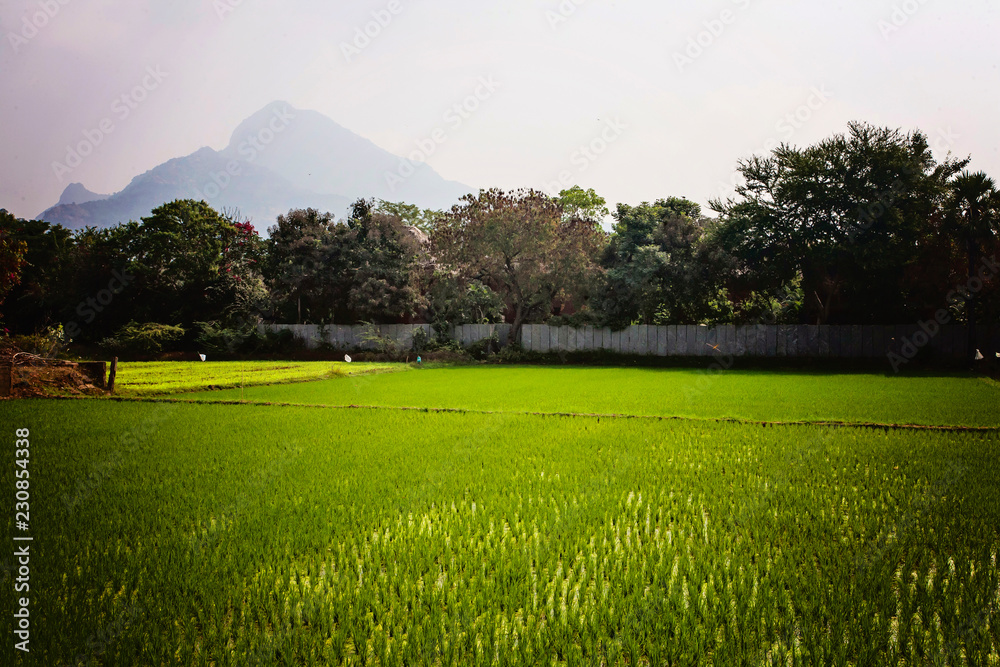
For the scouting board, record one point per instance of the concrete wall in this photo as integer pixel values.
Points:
(755, 340)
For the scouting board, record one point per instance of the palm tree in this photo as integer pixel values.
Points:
(975, 205)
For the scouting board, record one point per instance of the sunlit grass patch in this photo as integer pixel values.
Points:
(171, 377)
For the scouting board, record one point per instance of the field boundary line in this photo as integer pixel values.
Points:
(568, 415)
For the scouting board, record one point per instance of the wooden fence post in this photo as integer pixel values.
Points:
(111, 375)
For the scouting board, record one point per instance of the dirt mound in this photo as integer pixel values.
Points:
(33, 376)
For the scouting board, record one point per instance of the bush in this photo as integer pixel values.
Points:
(583, 318)
(512, 354)
(148, 338)
(217, 340)
(486, 347)
(281, 341)
(49, 344)
(382, 344)
(421, 341)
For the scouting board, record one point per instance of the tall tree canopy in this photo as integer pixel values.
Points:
(363, 269)
(12, 252)
(522, 246)
(659, 270)
(191, 263)
(974, 215)
(845, 215)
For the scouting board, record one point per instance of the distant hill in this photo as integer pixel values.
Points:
(279, 158)
(75, 193)
(317, 154)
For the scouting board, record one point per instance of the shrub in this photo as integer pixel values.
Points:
(147, 338)
(421, 341)
(49, 344)
(217, 340)
(486, 347)
(383, 344)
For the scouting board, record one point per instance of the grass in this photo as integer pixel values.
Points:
(199, 534)
(196, 533)
(750, 395)
(156, 378)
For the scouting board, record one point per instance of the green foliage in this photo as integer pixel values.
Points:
(144, 339)
(784, 307)
(49, 344)
(660, 268)
(215, 339)
(12, 254)
(521, 246)
(485, 347)
(973, 215)
(849, 215)
(365, 269)
(410, 214)
(421, 341)
(583, 204)
(33, 264)
(450, 301)
(374, 339)
(582, 318)
(193, 263)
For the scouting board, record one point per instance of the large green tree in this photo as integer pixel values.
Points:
(383, 254)
(522, 246)
(304, 267)
(190, 263)
(36, 262)
(974, 214)
(362, 269)
(12, 252)
(659, 270)
(846, 216)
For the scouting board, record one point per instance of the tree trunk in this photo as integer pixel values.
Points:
(970, 304)
(515, 330)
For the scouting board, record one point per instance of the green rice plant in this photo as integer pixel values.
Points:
(749, 395)
(251, 534)
(158, 378)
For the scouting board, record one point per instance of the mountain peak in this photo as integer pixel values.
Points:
(76, 193)
(279, 158)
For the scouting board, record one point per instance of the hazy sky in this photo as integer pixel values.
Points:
(666, 95)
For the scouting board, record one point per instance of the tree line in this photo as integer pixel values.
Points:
(865, 227)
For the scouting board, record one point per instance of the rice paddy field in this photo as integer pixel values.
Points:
(750, 395)
(156, 378)
(193, 532)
